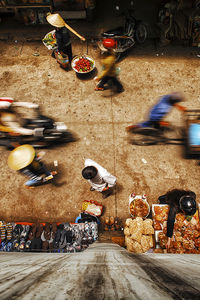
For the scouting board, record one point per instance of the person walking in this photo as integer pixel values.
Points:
(109, 71)
(24, 159)
(160, 110)
(62, 35)
(178, 201)
(99, 178)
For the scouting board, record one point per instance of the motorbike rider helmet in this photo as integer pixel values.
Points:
(109, 43)
(176, 97)
(89, 172)
(188, 205)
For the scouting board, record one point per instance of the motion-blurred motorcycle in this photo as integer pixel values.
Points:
(22, 123)
(125, 36)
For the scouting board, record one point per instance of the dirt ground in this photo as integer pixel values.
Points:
(99, 120)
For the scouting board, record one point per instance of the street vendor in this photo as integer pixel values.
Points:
(24, 159)
(178, 201)
(99, 178)
(62, 35)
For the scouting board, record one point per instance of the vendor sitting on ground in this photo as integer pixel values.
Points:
(178, 201)
(25, 160)
(160, 110)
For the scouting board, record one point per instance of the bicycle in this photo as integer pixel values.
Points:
(164, 134)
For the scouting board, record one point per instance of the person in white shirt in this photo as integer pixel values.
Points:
(99, 178)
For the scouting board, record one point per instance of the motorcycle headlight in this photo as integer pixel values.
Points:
(60, 126)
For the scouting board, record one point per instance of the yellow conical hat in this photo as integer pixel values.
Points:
(21, 157)
(55, 20)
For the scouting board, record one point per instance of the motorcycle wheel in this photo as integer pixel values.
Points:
(58, 137)
(141, 33)
(145, 136)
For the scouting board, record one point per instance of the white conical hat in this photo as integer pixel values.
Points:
(21, 157)
(55, 20)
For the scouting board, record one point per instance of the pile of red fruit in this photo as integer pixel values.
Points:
(83, 65)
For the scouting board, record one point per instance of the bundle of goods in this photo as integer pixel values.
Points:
(138, 206)
(92, 207)
(186, 234)
(139, 235)
(47, 237)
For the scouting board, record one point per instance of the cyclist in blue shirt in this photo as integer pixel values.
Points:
(158, 112)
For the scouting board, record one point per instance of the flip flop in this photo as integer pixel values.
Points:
(53, 230)
(9, 247)
(17, 231)
(3, 231)
(39, 230)
(22, 244)
(9, 230)
(27, 245)
(47, 232)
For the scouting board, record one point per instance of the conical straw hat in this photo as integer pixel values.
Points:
(21, 157)
(56, 20)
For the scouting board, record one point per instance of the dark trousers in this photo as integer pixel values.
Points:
(68, 51)
(114, 80)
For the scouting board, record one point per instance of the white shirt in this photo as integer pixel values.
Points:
(103, 178)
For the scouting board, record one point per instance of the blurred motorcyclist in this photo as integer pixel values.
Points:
(8, 119)
(160, 110)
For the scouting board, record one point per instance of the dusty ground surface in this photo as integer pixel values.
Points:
(99, 120)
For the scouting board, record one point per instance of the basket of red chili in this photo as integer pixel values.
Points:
(82, 64)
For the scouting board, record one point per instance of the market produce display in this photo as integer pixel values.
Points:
(186, 236)
(83, 64)
(138, 235)
(138, 206)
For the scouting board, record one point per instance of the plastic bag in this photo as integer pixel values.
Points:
(92, 207)
(50, 40)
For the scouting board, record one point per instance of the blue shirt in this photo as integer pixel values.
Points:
(160, 109)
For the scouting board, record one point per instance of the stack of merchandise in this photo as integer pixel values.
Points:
(47, 237)
(186, 234)
(138, 235)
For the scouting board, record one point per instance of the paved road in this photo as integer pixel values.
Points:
(103, 271)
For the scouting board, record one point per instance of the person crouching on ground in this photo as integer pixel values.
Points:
(99, 178)
(109, 71)
(26, 161)
(178, 201)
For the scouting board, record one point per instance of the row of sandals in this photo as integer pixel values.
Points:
(64, 237)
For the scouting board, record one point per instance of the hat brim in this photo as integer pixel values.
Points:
(21, 157)
(55, 20)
